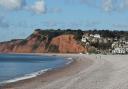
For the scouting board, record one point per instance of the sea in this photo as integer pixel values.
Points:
(16, 67)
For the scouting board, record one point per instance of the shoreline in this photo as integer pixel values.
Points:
(51, 75)
(37, 73)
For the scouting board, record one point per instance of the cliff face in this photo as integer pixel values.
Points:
(6, 47)
(39, 43)
(67, 44)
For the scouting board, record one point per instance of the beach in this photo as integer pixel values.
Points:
(85, 72)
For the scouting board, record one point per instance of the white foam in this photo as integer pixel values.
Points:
(27, 76)
(70, 61)
(32, 75)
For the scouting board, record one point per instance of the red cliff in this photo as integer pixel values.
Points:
(42, 43)
(67, 44)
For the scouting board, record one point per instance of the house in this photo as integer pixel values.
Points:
(119, 51)
(114, 45)
(84, 38)
(96, 36)
(115, 39)
(126, 50)
(91, 35)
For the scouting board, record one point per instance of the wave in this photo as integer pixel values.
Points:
(35, 74)
(27, 76)
(70, 60)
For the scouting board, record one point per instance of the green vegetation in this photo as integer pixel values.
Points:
(23, 42)
(40, 39)
(78, 33)
(35, 46)
(53, 48)
(49, 34)
(92, 50)
(54, 33)
(109, 33)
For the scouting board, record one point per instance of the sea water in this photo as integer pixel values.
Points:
(15, 67)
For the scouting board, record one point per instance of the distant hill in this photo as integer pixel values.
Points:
(61, 41)
(46, 41)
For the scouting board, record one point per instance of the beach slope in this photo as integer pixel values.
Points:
(87, 72)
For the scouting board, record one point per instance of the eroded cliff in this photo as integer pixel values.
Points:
(42, 42)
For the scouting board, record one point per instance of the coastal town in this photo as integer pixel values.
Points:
(69, 41)
(98, 44)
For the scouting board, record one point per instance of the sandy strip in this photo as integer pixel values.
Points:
(87, 72)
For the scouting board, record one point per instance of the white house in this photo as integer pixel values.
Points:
(91, 35)
(119, 51)
(97, 36)
(84, 38)
(127, 50)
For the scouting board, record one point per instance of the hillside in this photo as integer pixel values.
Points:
(69, 41)
(45, 41)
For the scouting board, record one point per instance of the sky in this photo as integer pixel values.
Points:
(19, 18)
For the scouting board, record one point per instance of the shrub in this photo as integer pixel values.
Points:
(23, 42)
(53, 48)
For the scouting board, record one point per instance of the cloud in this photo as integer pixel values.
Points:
(38, 7)
(114, 5)
(124, 5)
(120, 26)
(126, 2)
(3, 23)
(107, 5)
(55, 10)
(104, 5)
(12, 4)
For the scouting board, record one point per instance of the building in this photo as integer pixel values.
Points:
(119, 51)
(126, 50)
(96, 36)
(120, 47)
(84, 38)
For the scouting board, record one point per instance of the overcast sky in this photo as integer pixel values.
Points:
(18, 18)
